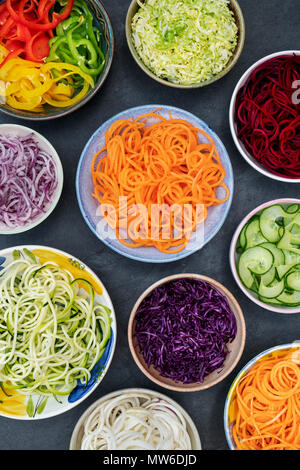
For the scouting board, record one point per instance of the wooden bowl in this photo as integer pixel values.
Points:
(239, 18)
(235, 348)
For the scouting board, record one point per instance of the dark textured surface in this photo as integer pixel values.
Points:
(271, 26)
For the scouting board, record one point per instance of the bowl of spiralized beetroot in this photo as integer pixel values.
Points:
(265, 116)
(186, 332)
(31, 179)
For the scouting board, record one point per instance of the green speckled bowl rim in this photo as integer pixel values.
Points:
(235, 7)
(64, 112)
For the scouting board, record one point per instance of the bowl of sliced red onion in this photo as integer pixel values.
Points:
(264, 116)
(31, 178)
(186, 332)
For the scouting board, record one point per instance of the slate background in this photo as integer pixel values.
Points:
(271, 26)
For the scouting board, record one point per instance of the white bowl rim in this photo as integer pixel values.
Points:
(113, 315)
(237, 142)
(110, 395)
(247, 367)
(286, 310)
(60, 178)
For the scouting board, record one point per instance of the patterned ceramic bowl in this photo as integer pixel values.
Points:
(17, 405)
(90, 207)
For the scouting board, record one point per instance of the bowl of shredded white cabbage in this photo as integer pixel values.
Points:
(185, 43)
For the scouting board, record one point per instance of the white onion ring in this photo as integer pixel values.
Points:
(135, 422)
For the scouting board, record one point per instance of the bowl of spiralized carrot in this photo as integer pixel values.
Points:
(154, 183)
(262, 406)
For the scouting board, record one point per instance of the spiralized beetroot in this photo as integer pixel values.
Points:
(182, 329)
(268, 121)
(28, 180)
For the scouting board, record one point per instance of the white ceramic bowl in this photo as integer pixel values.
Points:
(21, 131)
(233, 257)
(77, 435)
(16, 405)
(247, 156)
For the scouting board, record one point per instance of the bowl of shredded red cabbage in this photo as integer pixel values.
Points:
(31, 178)
(186, 332)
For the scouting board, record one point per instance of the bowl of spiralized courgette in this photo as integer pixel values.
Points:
(57, 332)
(265, 255)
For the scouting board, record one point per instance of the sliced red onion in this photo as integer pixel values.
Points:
(28, 180)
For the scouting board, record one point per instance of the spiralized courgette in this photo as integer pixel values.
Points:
(52, 333)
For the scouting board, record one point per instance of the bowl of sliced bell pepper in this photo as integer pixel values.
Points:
(54, 56)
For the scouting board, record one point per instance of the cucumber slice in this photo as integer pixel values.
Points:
(292, 299)
(292, 281)
(269, 277)
(242, 237)
(290, 241)
(272, 291)
(293, 209)
(270, 221)
(290, 257)
(265, 300)
(255, 260)
(284, 269)
(278, 254)
(253, 234)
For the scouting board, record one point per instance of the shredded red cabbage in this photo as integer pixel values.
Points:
(268, 119)
(182, 329)
(28, 180)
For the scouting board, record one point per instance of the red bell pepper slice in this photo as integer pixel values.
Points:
(44, 7)
(33, 25)
(37, 49)
(6, 29)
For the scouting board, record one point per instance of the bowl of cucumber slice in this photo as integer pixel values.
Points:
(265, 255)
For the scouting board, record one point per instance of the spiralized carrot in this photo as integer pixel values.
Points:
(153, 162)
(267, 404)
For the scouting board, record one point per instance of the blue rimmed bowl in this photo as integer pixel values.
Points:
(229, 418)
(90, 208)
(14, 404)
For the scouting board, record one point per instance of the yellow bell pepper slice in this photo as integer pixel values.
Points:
(28, 85)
